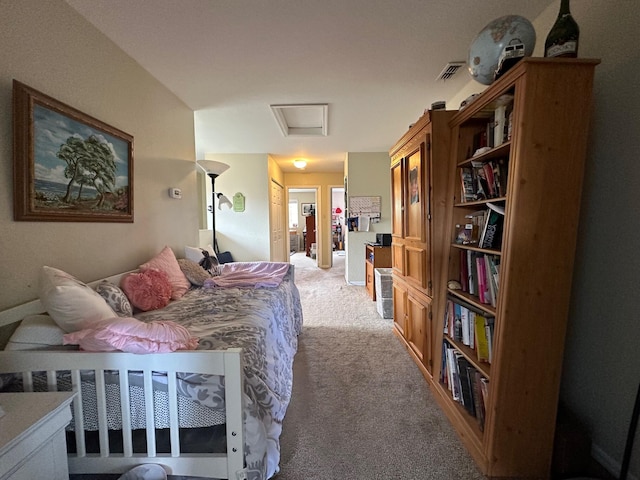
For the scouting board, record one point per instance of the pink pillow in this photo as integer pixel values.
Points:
(166, 261)
(130, 335)
(148, 290)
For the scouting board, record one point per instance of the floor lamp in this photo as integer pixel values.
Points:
(214, 169)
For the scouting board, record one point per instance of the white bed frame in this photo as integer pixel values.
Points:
(224, 362)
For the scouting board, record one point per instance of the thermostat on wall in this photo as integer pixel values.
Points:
(175, 193)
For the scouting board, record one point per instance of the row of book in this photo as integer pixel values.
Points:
(466, 384)
(498, 127)
(482, 228)
(470, 327)
(480, 275)
(484, 180)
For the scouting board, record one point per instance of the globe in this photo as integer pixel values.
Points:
(499, 45)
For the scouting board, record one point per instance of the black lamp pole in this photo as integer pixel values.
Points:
(213, 210)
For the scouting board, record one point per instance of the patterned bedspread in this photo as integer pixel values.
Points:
(265, 323)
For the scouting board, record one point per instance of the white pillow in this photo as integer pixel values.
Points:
(195, 253)
(36, 332)
(72, 304)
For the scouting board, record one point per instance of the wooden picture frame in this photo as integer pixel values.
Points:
(67, 165)
(308, 209)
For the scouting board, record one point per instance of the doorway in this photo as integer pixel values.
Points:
(302, 222)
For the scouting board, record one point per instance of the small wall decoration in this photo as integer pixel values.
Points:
(238, 202)
(68, 166)
(308, 209)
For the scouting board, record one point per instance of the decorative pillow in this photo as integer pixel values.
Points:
(195, 253)
(194, 272)
(133, 336)
(36, 332)
(72, 304)
(148, 290)
(205, 257)
(166, 261)
(115, 298)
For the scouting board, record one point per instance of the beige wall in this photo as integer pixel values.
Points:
(51, 48)
(367, 175)
(245, 234)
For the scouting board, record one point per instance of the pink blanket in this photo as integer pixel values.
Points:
(249, 274)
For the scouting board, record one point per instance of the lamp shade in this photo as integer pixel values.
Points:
(212, 167)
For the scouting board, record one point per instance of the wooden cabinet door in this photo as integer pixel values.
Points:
(399, 306)
(370, 281)
(397, 201)
(416, 197)
(418, 331)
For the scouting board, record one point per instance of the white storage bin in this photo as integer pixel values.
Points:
(384, 307)
(383, 282)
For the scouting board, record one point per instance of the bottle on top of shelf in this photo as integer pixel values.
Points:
(562, 40)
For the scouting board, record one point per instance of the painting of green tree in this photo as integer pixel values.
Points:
(78, 167)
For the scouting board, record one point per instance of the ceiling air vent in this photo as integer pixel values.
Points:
(302, 119)
(450, 70)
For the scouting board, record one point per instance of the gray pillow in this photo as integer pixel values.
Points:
(115, 298)
(194, 272)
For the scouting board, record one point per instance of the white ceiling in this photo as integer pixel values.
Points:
(374, 62)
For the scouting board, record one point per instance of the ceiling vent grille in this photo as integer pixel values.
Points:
(450, 70)
(302, 119)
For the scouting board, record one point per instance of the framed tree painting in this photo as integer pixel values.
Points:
(68, 166)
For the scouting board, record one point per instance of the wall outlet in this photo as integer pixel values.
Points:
(175, 193)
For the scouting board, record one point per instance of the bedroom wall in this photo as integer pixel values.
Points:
(600, 375)
(244, 234)
(367, 175)
(51, 48)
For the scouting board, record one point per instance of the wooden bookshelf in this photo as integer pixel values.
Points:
(545, 154)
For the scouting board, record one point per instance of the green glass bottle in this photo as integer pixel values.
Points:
(562, 40)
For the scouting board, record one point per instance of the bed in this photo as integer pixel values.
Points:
(213, 412)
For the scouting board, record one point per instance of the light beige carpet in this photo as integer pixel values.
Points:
(360, 408)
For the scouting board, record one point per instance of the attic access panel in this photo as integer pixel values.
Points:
(302, 119)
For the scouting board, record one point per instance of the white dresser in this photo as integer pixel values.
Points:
(32, 437)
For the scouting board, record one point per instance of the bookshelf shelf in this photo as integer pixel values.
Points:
(534, 175)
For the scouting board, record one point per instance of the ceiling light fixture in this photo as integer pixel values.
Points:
(301, 164)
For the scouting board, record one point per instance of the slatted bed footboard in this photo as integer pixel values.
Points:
(30, 365)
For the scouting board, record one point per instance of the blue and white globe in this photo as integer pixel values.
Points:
(511, 37)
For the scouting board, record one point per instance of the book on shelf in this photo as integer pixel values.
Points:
(464, 320)
(491, 236)
(484, 180)
(468, 187)
(482, 342)
(491, 272)
(466, 397)
(480, 181)
(464, 271)
(471, 328)
(489, 327)
(484, 390)
(454, 378)
(457, 322)
(476, 381)
(472, 272)
(482, 279)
